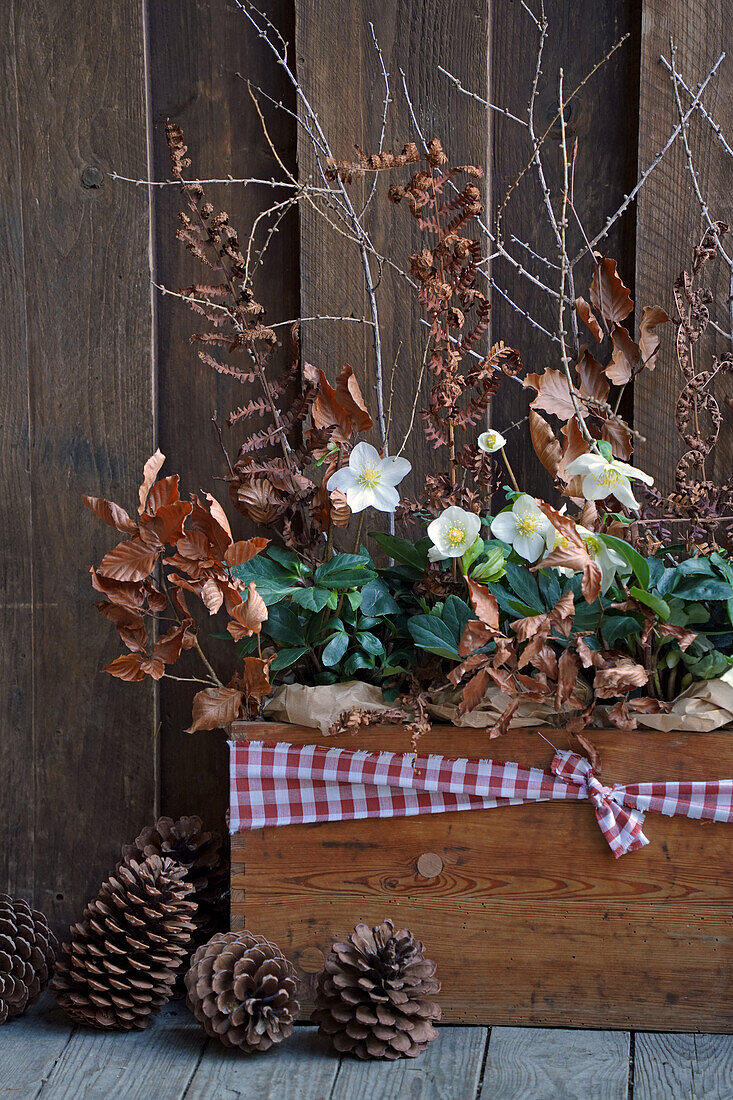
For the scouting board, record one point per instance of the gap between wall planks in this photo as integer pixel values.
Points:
(669, 220)
(78, 749)
(84, 398)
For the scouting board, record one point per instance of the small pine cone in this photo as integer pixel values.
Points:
(27, 953)
(242, 989)
(121, 964)
(207, 867)
(374, 997)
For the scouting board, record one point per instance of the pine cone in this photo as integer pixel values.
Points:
(242, 989)
(121, 964)
(374, 997)
(27, 952)
(206, 864)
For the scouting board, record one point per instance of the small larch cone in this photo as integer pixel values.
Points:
(207, 867)
(375, 997)
(242, 989)
(27, 952)
(121, 964)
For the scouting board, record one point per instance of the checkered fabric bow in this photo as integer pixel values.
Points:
(275, 783)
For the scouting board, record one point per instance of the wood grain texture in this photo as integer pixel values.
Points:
(303, 1068)
(450, 1067)
(547, 1065)
(698, 1067)
(603, 119)
(669, 221)
(159, 1061)
(85, 742)
(543, 911)
(196, 50)
(30, 1047)
(339, 70)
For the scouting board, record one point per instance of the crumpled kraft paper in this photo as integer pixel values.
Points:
(704, 706)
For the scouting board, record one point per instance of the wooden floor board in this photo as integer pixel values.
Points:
(693, 1067)
(556, 1065)
(158, 1062)
(448, 1070)
(30, 1047)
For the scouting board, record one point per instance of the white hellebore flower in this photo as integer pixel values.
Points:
(608, 561)
(555, 539)
(452, 533)
(525, 527)
(602, 478)
(369, 480)
(491, 442)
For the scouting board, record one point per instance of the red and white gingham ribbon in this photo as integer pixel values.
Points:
(275, 783)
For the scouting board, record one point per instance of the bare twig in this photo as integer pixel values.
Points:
(479, 99)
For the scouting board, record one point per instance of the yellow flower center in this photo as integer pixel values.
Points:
(455, 535)
(490, 439)
(527, 524)
(370, 477)
(608, 478)
(592, 545)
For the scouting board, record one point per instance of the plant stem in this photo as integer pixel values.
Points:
(509, 469)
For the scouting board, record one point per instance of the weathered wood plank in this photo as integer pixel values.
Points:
(450, 1067)
(556, 1065)
(698, 1067)
(669, 221)
(30, 1047)
(539, 874)
(17, 841)
(603, 119)
(89, 396)
(196, 51)
(159, 1061)
(339, 69)
(304, 1068)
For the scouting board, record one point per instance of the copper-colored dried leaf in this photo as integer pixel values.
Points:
(214, 708)
(166, 526)
(607, 291)
(501, 726)
(150, 472)
(475, 636)
(649, 341)
(531, 626)
(256, 677)
(593, 382)
(128, 561)
(626, 357)
(135, 666)
(590, 658)
(341, 407)
(157, 600)
(240, 552)
(546, 446)
(168, 647)
(562, 613)
(588, 317)
(620, 717)
(112, 514)
(339, 509)
(203, 520)
(130, 625)
(616, 433)
(568, 668)
(575, 446)
(574, 556)
(553, 393)
(248, 616)
(483, 603)
(162, 493)
(218, 513)
(681, 634)
(474, 691)
(212, 595)
(621, 677)
(590, 751)
(123, 593)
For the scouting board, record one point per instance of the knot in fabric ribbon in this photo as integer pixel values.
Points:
(621, 825)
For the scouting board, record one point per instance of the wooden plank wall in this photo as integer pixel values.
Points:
(98, 370)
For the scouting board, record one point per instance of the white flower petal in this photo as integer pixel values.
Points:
(359, 497)
(586, 464)
(341, 479)
(435, 554)
(622, 492)
(592, 488)
(473, 526)
(504, 526)
(529, 547)
(490, 442)
(363, 457)
(632, 471)
(394, 469)
(385, 498)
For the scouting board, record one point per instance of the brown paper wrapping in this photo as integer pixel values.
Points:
(704, 706)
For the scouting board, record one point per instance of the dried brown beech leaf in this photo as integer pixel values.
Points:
(531, 626)
(340, 408)
(150, 472)
(553, 393)
(546, 446)
(474, 691)
(475, 636)
(122, 593)
(562, 613)
(593, 382)
(501, 726)
(681, 634)
(248, 616)
(202, 519)
(211, 595)
(130, 625)
(166, 525)
(168, 647)
(590, 751)
(135, 666)
(615, 432)
(588, 318)
(568, 668)
(626, 357)
(476, 660)
(128, 561)
(483, 603)
(575, 446)
(214, 708)
(590, 658)
(240, 552)
(256, 677)
(649, 342)
(607, 291)
(620, 717)
(162, 493)
(646, 705)
(218, 513)
(624, 675)
(574, 555)
(111, 513)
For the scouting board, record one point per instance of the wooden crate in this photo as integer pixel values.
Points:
(529, 916)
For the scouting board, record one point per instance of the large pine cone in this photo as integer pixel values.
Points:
(121, 964)
(374, 997)
(242, 989)
(27, 952)
(205, 861)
